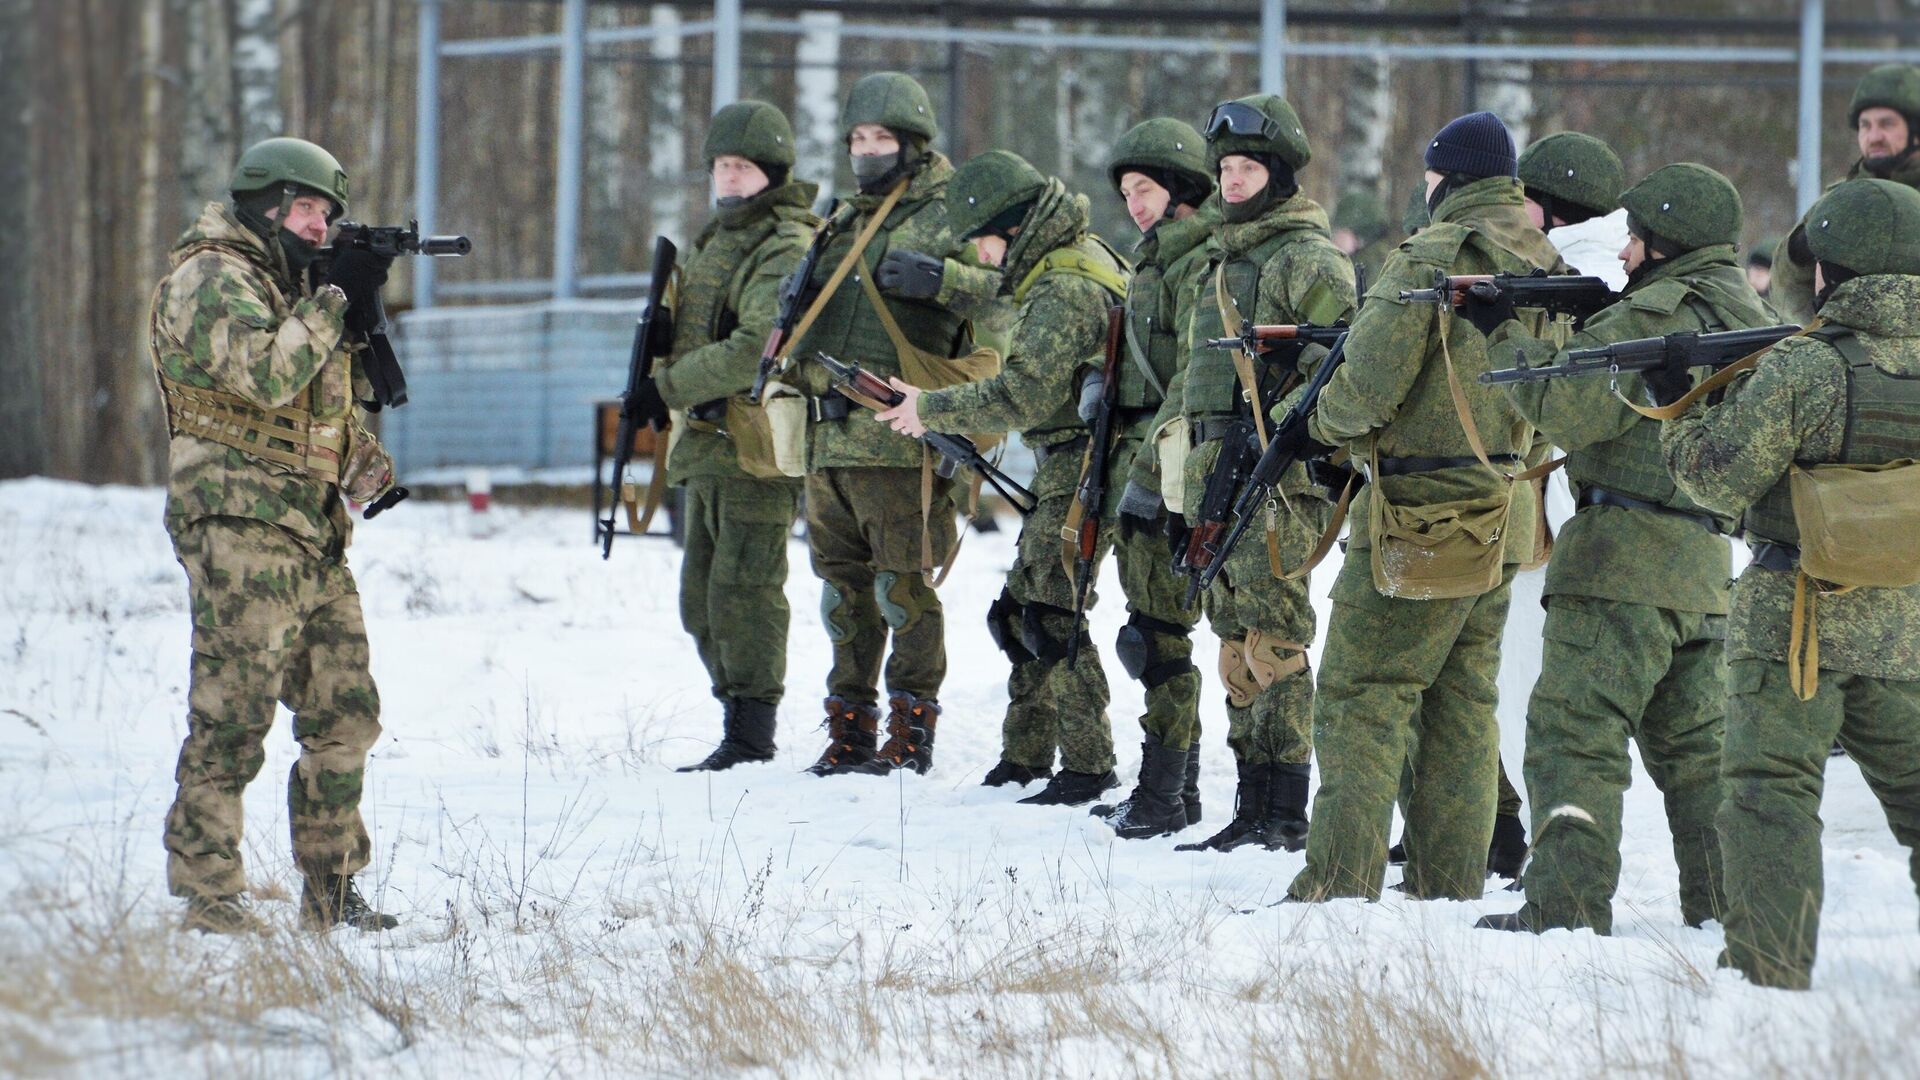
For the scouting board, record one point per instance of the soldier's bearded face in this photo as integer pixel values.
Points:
(736, 176)
(872, 140)
(306, 218)
(1146, 200)
(1882, 132)
(1241, 178)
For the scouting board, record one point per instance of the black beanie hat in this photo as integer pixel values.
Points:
(1477, 144)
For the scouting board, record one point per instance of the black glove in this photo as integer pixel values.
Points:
(1669, 382)
(1324, 473)
(1293, 440)
(1486, 307)
(360, 274)
(652, 408)
(911, 275)
(1178, 535)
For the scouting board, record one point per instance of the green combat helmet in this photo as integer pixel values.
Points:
(753, 130)
(275, 162)
(1867, 226)
(989, 189)
(1362, 213)
(1574, 168)
(1889, 86)
(1688, 205)
(1257, 124)
(1161, 144)
(893, 100)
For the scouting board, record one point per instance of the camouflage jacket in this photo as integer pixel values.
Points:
(1393, 391)
(1791, 291)
(849, 329)
(1794, 407)
(1059, 330)
(728, 298)
(1170, 264)
(227, 317)
(1634, 556)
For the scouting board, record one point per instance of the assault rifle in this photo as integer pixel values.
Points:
(652, 337)
(1557, 294)
(1688, 349)
(390, 241)
(793, 303)
(1093, 485)
(1255, 340)
(952, 450)
(1267, 471)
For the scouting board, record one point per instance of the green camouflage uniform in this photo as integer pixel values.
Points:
(1790, 290)
(276, 614)
(1059, 331)
(863, 480)
(1281, 267)
(732, 595)
(1808, 402)
(1403, 678)
(1636, 604)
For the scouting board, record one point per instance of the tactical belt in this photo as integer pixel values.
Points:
(1400, 466)
(1767, 555)
(1075, 445)
(1126, 418)
(1599, 496)
(1219, 427)
(828, 407)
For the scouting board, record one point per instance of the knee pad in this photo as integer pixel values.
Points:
(831, 601)
(1137, 654)
(902, 598)
(1238, 677)
(1003, 625)
(1037, 639)
(1271, 658)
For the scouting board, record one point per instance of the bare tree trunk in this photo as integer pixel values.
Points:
(256, 70)
(1367, 119)
(608, 119)
(208, 138)
(1506, 86)
(816, 99)
(22, 449)
(666, 145)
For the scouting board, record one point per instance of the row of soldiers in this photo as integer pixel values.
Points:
(983, 296)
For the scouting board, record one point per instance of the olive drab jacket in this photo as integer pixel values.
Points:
(849, 329)
(1808, 402)
(728, 298)
(1170, 263)
(228, 320)
(1609, 552)
(1792, 289)
(1393, 393)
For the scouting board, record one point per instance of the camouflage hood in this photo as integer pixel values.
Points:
(930, 178)
(1297, 214)
(1496, 209)
(1165, 243)
(1058, 219)
(218, 226)
(1884, 306)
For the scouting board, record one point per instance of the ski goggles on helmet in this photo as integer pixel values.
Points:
(1239, 118)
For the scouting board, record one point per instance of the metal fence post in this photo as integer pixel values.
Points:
(566, 202)
(726, 52)
(1812, 44)
(426, 145)
(1273, 47)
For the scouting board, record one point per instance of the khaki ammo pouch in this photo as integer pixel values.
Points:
(1856, 524)
(1437, 552)
(1256, 662)
(751, 429)
(786, 410)
(291, 436)
(1171, 445)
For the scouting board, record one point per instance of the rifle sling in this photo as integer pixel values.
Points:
(840, 272)
(1465, 412)
(1250, 387)
(1716, 381)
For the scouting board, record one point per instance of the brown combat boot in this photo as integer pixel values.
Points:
(910, 727)
(853, 730)
(334, 899)
(222, 915)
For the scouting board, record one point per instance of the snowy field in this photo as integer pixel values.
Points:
(573, 907)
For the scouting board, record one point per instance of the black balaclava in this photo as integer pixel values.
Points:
(1569, 212)
(1281, 186)
(1659, 249)
(875, 174)
(251, 208)
(1835, 275)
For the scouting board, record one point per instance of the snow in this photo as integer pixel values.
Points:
(572, 906)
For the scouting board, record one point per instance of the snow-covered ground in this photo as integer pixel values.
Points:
(572, 906)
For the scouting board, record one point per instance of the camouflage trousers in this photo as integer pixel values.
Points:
(733, 599)
(1405, 681)
(1610, 672)
(1774, 763)
(273, 621)
(1050, 704)
(864, 528)
(1161, 629)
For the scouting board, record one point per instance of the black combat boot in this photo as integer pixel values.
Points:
(222, 915)
(333, 900)
(1155, 807)
(1190, 792)
(1397, 854)
(1007, 772)
(1514, 922)
(853, 730)
(1509, 848)
(1269, 809)
(1069, 788)
(746, 736)
(910, 726)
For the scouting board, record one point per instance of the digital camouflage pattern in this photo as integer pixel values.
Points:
(1791, 291)
(733, 576)
(1169, 272)
(1795, 408)
(1059, 332)
(1405, 678)
(1154, 591)
(276, 614)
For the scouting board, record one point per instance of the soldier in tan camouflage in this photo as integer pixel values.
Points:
(265, 448)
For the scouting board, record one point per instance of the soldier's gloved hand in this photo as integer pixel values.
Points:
(1486, 308)
(360, 274)
(652, 408)
(1293, 440)
(1323, 472)
(911, 275)
(1178, 534)
(1669, 382)
(1137, 500)
(1092, 388)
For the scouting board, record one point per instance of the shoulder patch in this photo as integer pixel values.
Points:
(1661, 297)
